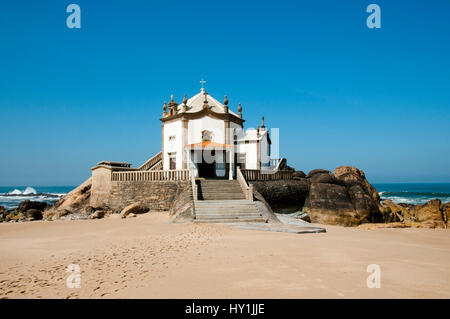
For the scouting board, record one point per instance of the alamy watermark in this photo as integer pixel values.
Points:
(374, 19)
(74, 279)
(374, 279)
(73, 21)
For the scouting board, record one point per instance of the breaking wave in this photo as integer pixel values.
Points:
(10, 197)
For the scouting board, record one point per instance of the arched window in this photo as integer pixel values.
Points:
(206, 135)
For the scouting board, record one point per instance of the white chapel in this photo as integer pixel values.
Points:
(205, 136)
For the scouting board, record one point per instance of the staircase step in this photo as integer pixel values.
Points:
(244, 220)
(223, 201)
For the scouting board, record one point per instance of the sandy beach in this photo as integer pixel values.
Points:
(146, 257)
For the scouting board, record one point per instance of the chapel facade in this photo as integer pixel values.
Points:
(206, 136)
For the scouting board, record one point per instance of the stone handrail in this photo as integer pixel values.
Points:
(247, 189)
(274, 162)
(160, 175)
(151, 162)
(256, 175)
(194, 185)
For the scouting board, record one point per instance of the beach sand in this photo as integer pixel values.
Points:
(146, 257)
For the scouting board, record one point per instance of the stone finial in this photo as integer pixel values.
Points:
(165, 109)
(184, 106)
(240, 110)
(173, 106)
(262, 125)
(225, 102)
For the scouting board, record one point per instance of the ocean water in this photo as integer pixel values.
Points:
(414, 193)
(11, 196)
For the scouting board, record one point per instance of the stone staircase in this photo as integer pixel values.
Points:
(219, 190)
(222, 201)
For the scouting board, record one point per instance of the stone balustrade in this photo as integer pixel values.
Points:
(160, 175)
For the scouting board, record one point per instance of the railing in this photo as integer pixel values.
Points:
(193, 185)
(151, 162)
(274, 162)
(247, 189)
(256, 175)
(131, 176)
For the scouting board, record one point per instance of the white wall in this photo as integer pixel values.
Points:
(195, 128)
(251, 152)
(173, 129)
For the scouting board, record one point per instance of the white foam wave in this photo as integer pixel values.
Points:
(28, 191)
(415, 200)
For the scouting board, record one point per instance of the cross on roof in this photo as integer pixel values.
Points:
(202, 82)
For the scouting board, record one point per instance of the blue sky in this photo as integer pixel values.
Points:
(341, 94)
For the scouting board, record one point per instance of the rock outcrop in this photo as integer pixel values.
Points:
(136, 208)
(182, 209)
(343, 197)
(284, 194)
(27, 211)
(432, 214)
(73, 205)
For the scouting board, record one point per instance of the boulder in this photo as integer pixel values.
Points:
(135, 208)
(27, 205)
(3, 213)
(350, 176)
(330, 204)
(391, 212)
(430, 214)
(446, 213)
(283, 193)
(74, 202)
(366, 208)
(322, 176)
(33, 214)
(98, 214)
(298, 175)
(317, 171)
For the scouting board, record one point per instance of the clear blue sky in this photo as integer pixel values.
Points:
(341, 94)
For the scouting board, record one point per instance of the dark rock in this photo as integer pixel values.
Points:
(89, 210)
(299, 175)
(33, 214)
(283, 193)
(366, 208)
(284, 166)
(317, 171)
(27, 205)
(98, 214)
(330, 204)
(323, 177)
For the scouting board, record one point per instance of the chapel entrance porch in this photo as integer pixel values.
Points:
(211, 160)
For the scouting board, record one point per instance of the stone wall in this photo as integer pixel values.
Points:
(156, 195)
